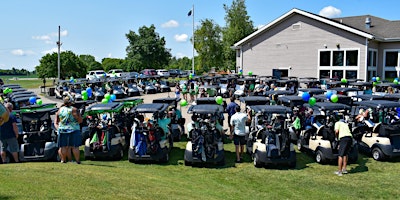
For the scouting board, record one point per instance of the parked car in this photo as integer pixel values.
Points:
(149, 72)
(117, 73)
(163, 72)
(182, 73)
(96, 74)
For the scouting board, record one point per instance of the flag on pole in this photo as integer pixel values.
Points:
(190, 13)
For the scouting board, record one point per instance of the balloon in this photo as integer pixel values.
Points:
(107, 96)
(39, 102)
(241, 70)
(32, 100)
(190, 76)
(84, 93)
(373, 79)
(113, 97)
(343, 80)
(305, 96)
(250, 73)
(334, 98)
(104, 116)
(184, 103)
(396, 81)
(104, 101)
(89, 91)
(377, 78)
(6, 91)
(312, 101)
(329, 94)
(374, 83)
(240, 73)
(219, 100)
(85, 97)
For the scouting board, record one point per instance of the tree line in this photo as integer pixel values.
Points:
(147, 49)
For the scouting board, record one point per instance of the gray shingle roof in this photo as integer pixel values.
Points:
(380, 28)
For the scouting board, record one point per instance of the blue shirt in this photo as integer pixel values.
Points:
(231, 108)
(7, 130)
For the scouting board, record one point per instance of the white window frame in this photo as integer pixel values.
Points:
(344, 68)
(390, 68)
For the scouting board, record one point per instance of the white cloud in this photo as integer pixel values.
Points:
(50, 51)
(330, 12)
(170, 24)
(109, 55)
(181, 38)
(180, 55)
(20, 52)
(48, 39)
(41, 37)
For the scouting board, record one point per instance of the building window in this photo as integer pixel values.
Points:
(325, 58)
(351, 74)
(337, 74)
(324, 74)
(371, 58)
(391, 58)
(338, 57)
(352, 58)
(390, 75)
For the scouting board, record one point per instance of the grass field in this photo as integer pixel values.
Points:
(368, 179)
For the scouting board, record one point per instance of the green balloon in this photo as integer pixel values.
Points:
(107, 96)
(344, 80)
(219, 100)
(85, 97)
(334, 98)
(39, 102)
(250, 73)
(396, 81)
(104, 101)
(312, 101)
(378, 79)
(240, 73)
(84, 93)
(184, 103)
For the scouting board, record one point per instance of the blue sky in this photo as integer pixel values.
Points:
(98, 27)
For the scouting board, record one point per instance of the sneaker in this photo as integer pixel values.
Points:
(339, 173)
(344, 172)
(78, 162)
(63, 162)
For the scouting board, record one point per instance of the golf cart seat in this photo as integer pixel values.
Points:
(388, 130)
(37, 126)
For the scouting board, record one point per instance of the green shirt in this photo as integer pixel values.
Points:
(343, 129)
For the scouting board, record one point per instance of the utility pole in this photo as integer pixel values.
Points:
(58, 58)
(193, 40)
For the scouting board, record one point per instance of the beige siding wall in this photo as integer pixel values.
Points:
(283, 47)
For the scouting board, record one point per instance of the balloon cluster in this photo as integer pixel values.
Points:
(72, 80)
(86, 94)
(240, 72)
(191, 76)
(7, 91)
(375, 80)
(307, 97)
(108, 98)
(396, 81)
(33, 100)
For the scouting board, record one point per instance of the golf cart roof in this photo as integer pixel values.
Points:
(18, 90)
(206, 100)
(379, 104)
(206, 109)
(367, 97)
(24, 98)
(130, 101)
(149, 108)
(254, 100)
(168, 100)
(361, 84)
(12, 86)
(210, 86)
(388, 85)
(345, 89)
(341, 98)
(39, 111)
(312, 91)
(291, 99)
(36, 107)
(279, 92)
(329, 106)
(100, 108)
(273, 109)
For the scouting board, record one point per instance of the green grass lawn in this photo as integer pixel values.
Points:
(28, 83)
(368, 179)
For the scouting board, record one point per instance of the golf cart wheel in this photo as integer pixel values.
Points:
(165, 159)
(221, 163)
(292, 164)
(319, 157)
(120, 151)
(56, 157)
(256, 161)
(377, 154)
(187, 163)
(299, 146)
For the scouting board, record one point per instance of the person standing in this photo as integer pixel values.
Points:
(231, 110)
(67, 123)
(238, 125)
(9, 135)
(343, 133)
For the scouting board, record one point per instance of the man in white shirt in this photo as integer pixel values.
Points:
(238, 131)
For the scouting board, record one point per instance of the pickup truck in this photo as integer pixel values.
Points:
(96, 74)
(117, 73)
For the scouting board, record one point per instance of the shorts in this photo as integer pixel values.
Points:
(239, 140)
(345, 146)
(73, 139)
(11, 144)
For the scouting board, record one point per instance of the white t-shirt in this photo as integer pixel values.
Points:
(238, 120)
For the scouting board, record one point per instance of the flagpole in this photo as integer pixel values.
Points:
(193, 39)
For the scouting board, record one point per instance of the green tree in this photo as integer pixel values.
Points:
(238, 26)
(112, 63)
(71, 65)
(180, 63)
(208, 45)
(146, 50)
(90, 62)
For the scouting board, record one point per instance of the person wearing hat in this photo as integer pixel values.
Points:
(69, 135)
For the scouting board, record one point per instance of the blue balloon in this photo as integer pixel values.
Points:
(32, 100)
(374, 79)
(241, 70)
(328, 94)
(113, 97)
(104, 116)
(89, 92)
(305, 96)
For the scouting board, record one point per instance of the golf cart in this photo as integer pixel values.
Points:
(205, 143)
(106, 135)
(151, 139)
(320, 140)
(39, 137)
(177, 125)
(269, 142)
(379, 139)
